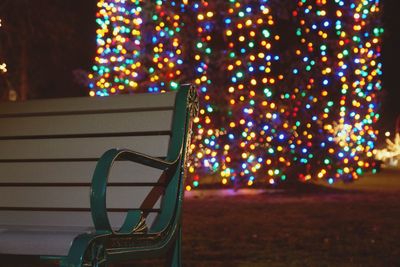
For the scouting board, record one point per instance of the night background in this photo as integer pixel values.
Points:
(49, 48)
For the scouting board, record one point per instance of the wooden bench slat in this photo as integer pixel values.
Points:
(81, 148)
(74, 172)
(10, 219)
(91, 124)
(88, 104)
(71, 197)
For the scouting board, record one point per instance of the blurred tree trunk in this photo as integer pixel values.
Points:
(24, 61)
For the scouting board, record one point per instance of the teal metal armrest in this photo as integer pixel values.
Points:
(134, 239)
(134, 220)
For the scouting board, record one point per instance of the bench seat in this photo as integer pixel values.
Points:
(39, 240)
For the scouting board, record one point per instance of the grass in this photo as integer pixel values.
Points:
(347, 225)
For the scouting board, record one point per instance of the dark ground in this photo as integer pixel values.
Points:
(345, 226)
(333, 229)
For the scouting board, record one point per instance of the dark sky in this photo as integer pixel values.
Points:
(78, 50)
(391, 61)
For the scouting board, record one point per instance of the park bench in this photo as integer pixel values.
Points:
(74, 191)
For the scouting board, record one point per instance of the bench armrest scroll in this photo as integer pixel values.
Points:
(99, 187)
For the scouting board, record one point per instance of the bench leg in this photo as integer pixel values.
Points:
(174, 255)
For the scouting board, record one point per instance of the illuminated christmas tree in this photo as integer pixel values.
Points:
(289, 89)
(207, 77)
(336, 90)
(163, 45)
(256, 136)
(139, 47)
(118, 62)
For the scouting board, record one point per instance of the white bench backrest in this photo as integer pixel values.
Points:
(49, 148)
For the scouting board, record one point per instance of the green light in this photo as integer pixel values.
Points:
(174, 85)
(266, 33)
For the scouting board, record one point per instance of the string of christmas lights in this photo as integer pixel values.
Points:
(313, 89)
(117, 64)
(205, 146)
(335, 140)
(255, 144)
(165, 42)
